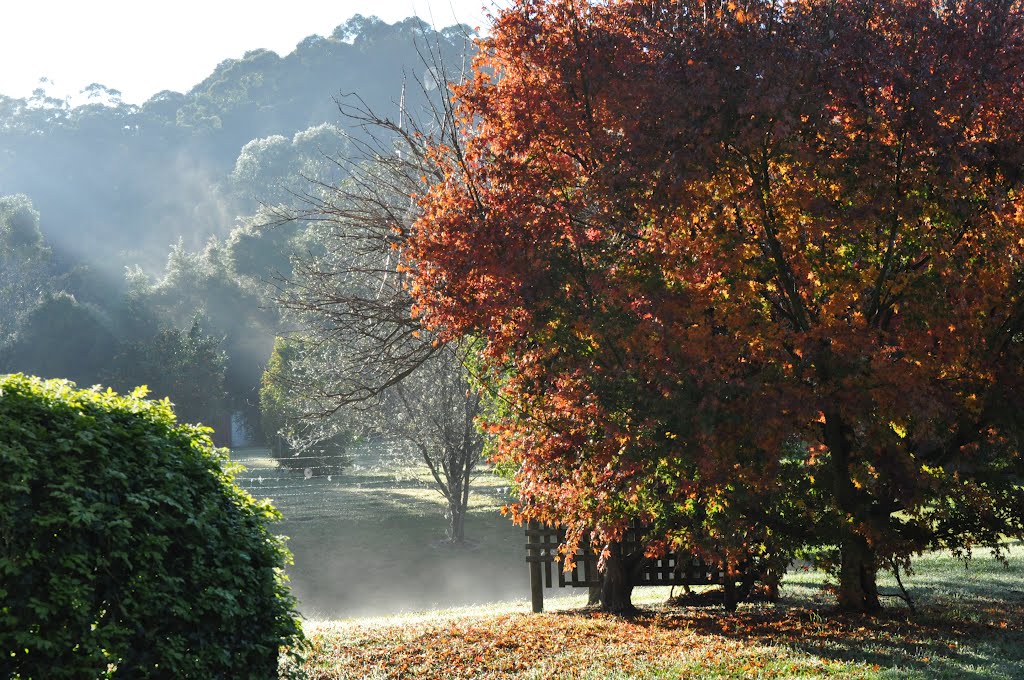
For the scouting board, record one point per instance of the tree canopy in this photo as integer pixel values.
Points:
(201, 172)
(25, 262)
(752, 272)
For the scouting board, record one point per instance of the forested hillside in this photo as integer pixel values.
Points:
(124, 181)
(129, 240)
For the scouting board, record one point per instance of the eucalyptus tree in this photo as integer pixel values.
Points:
(25, 274)
(201, 286)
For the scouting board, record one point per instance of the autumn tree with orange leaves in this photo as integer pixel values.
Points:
(752, 272)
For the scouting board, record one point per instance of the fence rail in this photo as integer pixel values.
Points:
(672, 569)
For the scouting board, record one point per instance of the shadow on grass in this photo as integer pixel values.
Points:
(957, 632)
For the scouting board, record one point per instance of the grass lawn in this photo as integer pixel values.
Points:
(380, 596)
(968, 625)
(370, 540)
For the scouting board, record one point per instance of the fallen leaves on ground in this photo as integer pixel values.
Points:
(768, 642)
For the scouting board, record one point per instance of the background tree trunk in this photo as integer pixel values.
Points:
(594, 594)
(457, 521)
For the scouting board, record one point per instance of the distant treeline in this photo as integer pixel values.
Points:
(115, 180)
(130, 247)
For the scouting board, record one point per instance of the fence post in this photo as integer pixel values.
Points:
(536, 584)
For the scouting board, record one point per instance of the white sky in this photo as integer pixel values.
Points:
(141, 47)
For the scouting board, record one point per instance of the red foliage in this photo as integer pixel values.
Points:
(713, 251)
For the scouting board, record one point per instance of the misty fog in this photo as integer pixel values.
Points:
(144, 245)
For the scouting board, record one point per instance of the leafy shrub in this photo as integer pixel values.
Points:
(126, 550)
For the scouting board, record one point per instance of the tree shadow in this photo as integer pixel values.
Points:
(971, 635)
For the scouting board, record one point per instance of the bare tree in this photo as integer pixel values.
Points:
(436, 409)
(364, 358)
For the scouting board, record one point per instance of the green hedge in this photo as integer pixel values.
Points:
(126, 549)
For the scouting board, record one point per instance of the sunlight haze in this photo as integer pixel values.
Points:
(143, 48)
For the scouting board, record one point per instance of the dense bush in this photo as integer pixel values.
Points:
(126, 550)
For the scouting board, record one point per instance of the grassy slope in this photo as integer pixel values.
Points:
(367, 542)
(969, 625)
(370, 539)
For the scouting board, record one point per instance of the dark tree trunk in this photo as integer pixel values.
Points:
(457, 521)
(771, 580)
(458, 500)
(617, 582)
(591, 573)
(730, 597)
(858, 588)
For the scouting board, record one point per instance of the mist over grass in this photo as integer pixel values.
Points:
(370, 541)
(969, 624)
(384, 597)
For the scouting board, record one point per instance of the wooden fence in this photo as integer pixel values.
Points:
(672, 569)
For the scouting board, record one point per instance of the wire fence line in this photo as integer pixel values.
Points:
(331, 486)
(344, 459)
(356, 484)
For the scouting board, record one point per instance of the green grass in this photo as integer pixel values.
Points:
(371, 539)
(968, 625)
(385, 598)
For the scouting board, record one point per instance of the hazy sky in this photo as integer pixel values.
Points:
(144, 46)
